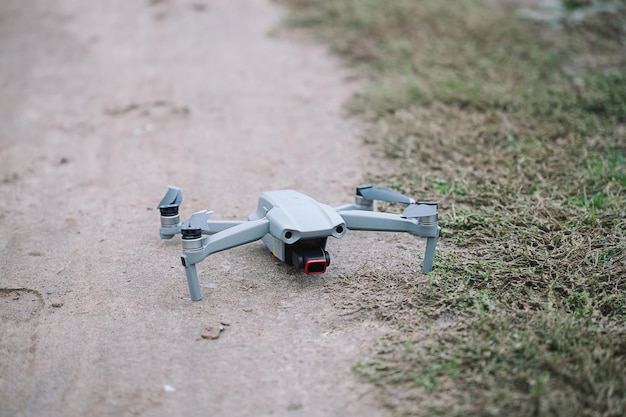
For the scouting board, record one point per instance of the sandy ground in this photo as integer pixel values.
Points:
(102, 105)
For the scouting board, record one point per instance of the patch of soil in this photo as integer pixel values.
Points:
(105, 104)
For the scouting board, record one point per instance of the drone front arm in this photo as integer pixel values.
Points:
(196, 250)
(388, 222)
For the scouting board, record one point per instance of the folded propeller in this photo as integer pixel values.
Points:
(197, 223)
(414, 210)
(171, 201)
(370, 192)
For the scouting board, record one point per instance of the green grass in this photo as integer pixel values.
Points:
(520, 133)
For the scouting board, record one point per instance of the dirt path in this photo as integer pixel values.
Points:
(103, 104)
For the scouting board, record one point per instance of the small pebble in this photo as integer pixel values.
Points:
(213, 330)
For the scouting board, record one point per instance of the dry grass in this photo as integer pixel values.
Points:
(520, 133)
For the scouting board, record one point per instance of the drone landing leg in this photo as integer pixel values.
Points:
(192, 282)
(429, 254)
(195, 250)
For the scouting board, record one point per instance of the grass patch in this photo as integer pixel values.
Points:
(520, 133)
(508, 364)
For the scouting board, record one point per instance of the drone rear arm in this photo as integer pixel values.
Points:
(196, 250)
(216, 226)
(387, 222)
(210, 228)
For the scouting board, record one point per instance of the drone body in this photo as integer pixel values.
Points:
(298, 228)
(294, 227)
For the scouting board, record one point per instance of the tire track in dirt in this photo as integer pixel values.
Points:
(20, 308)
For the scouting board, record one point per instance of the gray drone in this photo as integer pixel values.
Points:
(294, 227)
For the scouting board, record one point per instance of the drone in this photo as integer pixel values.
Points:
(294, 227)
